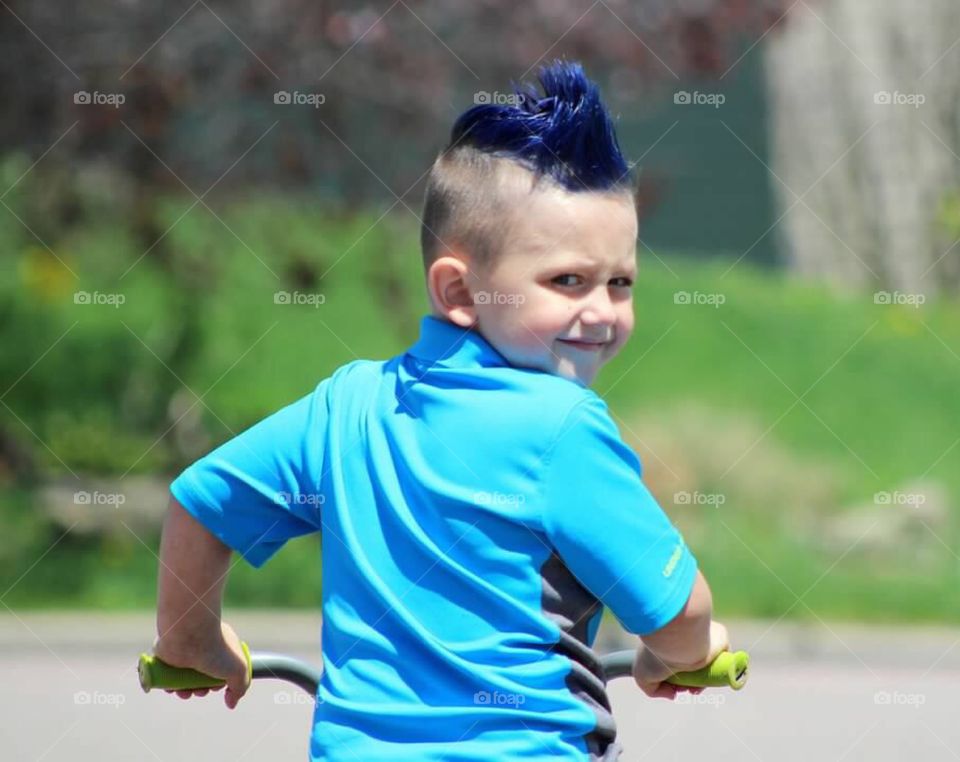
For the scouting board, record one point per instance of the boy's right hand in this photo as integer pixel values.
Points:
(219, 656)
(650, 672)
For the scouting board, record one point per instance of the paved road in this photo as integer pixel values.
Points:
(70, 692)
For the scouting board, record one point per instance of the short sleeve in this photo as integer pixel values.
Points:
(607, 527)
(262, 488)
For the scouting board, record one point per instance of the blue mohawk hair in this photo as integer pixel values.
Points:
(565, 133)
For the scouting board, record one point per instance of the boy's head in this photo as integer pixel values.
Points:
(529, 227)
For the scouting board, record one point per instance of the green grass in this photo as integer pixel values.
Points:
(882, 381)
(879, 386)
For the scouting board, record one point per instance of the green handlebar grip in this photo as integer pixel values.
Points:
(155, 673)
(728, 669)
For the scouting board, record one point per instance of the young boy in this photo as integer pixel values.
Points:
(477, 505)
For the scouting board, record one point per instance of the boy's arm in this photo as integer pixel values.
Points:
(616, 539)
(691, 640)
(191, 577)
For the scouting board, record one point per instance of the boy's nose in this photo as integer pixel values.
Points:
(599, 310)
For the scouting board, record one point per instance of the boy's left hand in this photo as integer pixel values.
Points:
(219, 656)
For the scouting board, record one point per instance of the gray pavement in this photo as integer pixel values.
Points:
(819, 692)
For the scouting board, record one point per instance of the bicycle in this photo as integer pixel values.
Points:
(729, 669)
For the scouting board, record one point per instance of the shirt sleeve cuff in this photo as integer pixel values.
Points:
(685, 575)
(185, 492)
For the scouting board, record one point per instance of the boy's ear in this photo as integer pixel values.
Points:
(447, 282)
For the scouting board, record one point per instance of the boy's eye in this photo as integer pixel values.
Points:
(567, 279)
(571, 279)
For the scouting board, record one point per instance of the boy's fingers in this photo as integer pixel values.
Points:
(236, 687)
(671, 691)
(664, 690)
(660, 690)
(232, 697)
(238, 682)
(235, 691)
(193, 691)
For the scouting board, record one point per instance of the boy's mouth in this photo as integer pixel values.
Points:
(585, 346)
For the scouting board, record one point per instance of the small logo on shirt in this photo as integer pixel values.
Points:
(674, 560)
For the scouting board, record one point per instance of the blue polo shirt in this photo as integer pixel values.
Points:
(475, 519)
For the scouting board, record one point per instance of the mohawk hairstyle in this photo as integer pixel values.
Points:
(563, 135)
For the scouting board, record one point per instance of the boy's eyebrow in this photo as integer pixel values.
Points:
(577, 261)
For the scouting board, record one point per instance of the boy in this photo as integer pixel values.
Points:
(477, 505)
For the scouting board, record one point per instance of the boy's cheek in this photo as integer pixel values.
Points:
(528, 349)
(531, 354)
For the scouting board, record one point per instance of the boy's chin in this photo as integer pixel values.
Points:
(568, 371)
(564, 368)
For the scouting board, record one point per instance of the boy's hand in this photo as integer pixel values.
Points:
(219, 656)
(650, 672)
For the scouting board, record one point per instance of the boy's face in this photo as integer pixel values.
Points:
(558, 297)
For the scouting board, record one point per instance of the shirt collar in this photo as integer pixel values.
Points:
(450, 345)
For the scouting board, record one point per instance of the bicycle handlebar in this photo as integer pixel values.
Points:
(728, 669)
